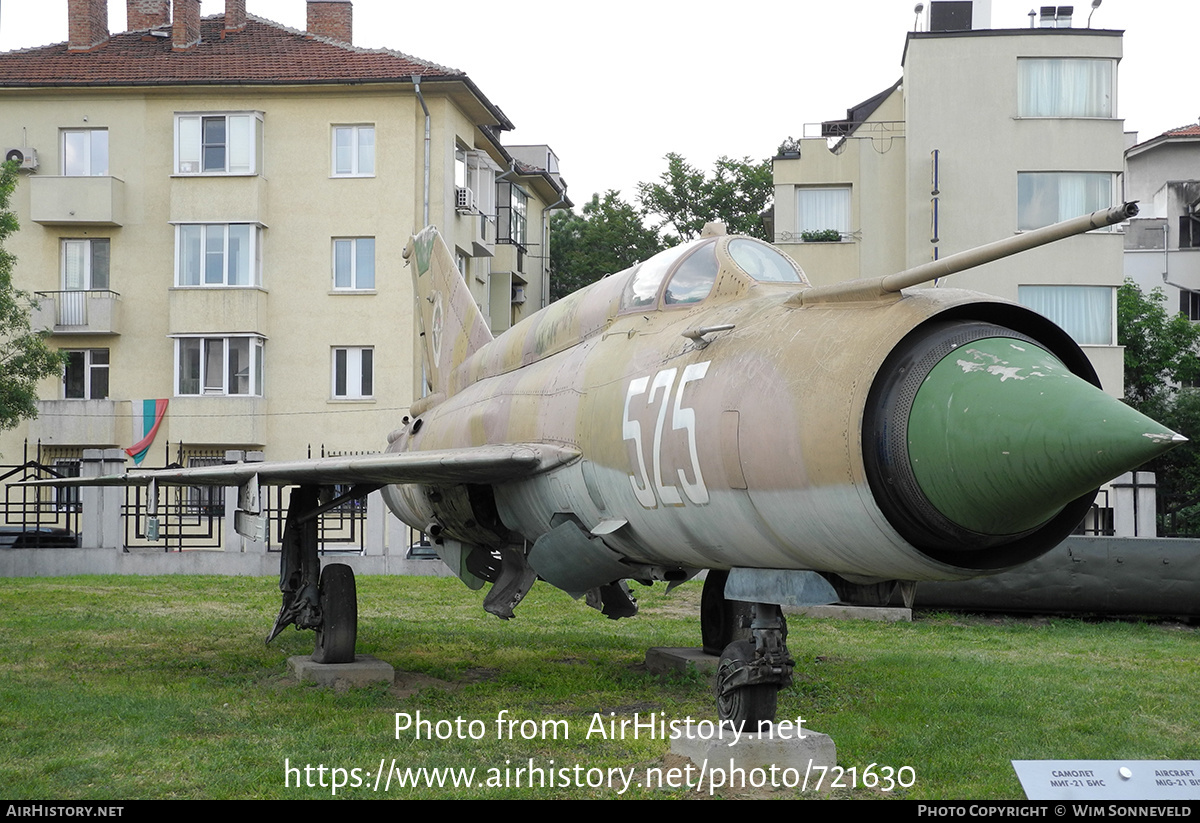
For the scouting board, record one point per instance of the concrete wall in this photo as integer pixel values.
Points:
(63, 562)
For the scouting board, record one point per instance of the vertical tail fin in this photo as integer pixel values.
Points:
(452, 327)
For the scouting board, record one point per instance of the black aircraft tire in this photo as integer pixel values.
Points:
(722, 621)
(339, 611)
(747, 707)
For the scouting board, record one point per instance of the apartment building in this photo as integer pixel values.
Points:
(213, 213)
(988, 132)
(1162, 245)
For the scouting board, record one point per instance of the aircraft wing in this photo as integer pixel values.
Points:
(482, 464)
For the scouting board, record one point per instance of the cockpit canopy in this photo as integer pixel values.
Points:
(690, 269)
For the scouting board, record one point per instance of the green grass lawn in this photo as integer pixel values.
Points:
(161, 687)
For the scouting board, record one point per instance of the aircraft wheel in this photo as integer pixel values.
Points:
(722, 621)
(339, 614)
(747, 707)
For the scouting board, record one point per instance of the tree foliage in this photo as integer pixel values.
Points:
(24, 356)
(737, 193)
(1160, 347)
(1162, 366)
(611, 234)
(607, 237)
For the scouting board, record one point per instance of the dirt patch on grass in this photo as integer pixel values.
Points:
(408, 684)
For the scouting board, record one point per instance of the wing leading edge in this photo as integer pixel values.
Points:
(481, 464)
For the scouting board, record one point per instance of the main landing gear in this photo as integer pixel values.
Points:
(755, 663)
(314, 598)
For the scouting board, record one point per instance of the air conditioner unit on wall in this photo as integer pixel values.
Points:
(464, 200)
(27, 157)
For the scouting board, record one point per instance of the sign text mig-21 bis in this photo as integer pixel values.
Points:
(709, 409)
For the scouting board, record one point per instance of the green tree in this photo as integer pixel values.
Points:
(24, 356)
(737, 193)
(607, 237)
(1160, 347)
(1162, 366)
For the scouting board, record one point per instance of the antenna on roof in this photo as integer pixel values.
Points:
(920, 7)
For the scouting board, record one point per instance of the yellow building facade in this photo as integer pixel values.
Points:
(214, 211)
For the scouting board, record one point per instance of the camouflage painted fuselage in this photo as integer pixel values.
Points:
(742, 446)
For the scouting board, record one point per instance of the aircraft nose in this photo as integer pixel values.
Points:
(1002, 435)
(987, 448)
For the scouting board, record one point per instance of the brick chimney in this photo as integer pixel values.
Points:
(235, 15)
(185, 24)
(331, 18)
(87, 24)
(146, 14)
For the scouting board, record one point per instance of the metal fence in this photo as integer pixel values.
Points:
(33, 508)
(188, 517)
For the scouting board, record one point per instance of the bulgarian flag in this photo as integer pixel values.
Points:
(145, 426)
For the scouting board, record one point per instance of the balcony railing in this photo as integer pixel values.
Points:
(91, 311)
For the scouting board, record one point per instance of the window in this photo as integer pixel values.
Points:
(86, 375)
(85, 152)
(819, 210)
(217, 254)
(354, 263)
(1048, 197)
(694, 277)
(353, 373)
(1189, 304)
(1085, 312)
(474, 182)
(1189, 231)
(219, 365)
(512, 214)
(353, 151)
(85, 264)
(217, 143)
(1064, 87)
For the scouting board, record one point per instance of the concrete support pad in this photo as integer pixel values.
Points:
(883, 614)
(667, 660)
(364, 671)
(788, 746)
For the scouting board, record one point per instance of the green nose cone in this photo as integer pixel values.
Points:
(1002, 435)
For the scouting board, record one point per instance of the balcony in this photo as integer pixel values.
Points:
(91, 423)
(217, 309)
(77, 201)
(196, 198)
(218, 420)
(95, 311)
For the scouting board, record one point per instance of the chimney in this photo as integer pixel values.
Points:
(87, 23)
(235, 15)
(185, 24)
(146, 14)
(331, 18)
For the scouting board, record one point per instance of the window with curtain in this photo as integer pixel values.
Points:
(1048, 197)
(818, 209)
(1084, 312)
(1065, 87)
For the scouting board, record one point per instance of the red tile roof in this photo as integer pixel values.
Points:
(1192, 130)
(262, 52)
